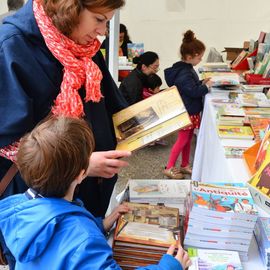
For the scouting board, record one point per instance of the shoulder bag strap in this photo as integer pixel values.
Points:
(7, 178)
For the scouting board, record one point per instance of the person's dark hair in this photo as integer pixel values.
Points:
(191, 45)
(14, 4)
(65, 13)
(53, 154)
(147, 59)
(153, 81)
(123, 29)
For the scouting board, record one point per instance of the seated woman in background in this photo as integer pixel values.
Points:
(132, 86)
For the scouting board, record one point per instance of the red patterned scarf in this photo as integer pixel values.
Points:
(79, 68)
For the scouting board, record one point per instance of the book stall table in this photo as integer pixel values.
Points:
(211, 165)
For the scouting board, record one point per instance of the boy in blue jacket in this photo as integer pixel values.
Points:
(44, 228)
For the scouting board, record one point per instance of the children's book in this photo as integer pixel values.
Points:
(235, 132)
(150, 119)
(239, 58)
(260, 179)
(234, 151)
(253, 87)
(134, 49)
(257, 111)
(223, 203)
(259, 126)
(232, 110)
(261, 155)
(262, 235)
(222, 78)
(209, 259)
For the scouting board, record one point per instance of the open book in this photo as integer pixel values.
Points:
(150, 119)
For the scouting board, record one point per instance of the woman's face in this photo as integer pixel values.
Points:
(90, 26)
(153, 68)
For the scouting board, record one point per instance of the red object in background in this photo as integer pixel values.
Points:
(256, 79)
(243, 65)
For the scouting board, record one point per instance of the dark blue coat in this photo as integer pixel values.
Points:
(30, 79)
(191, 89)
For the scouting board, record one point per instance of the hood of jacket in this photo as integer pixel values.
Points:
(172, 72)
(29, 225)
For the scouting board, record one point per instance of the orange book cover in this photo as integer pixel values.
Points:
(249, 156)
(259, 126)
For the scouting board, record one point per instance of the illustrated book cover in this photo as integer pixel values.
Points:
(209, 259)
(234, 151)
(150, 119)
(146, 224)
(235, 132)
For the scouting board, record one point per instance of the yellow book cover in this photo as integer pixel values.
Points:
(261, 178)
(150, 119)
(235, 132)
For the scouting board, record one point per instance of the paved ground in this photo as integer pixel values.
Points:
(148, 163)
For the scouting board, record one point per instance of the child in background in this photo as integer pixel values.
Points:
(51, 230)
(152, 85)
(192, 91)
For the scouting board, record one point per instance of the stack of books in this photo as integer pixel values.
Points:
(210, 259)
(254, 87)
(172, 193)
(262, 235)
(222, 216)
(231, 114)
(143, 235)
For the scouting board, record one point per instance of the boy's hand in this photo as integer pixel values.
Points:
(110, 219)
(181, 256)
(106, 164)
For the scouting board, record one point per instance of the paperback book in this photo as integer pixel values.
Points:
(150, 119)
(259, 126)
(235, 132)
(209, 259)
(234, 151)
(262, 235)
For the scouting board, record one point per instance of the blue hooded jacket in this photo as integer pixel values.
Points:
(52, 233)
(30, 79)
(192, 91)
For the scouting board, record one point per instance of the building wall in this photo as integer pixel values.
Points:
(159, 24)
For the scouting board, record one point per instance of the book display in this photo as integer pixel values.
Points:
(222, 216)
(144, 234)
(150, 119)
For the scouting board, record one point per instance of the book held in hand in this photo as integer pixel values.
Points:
(144, 234)
(150, 119)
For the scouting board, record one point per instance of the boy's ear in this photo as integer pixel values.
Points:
(81, 176)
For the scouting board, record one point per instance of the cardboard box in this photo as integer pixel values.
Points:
(232, 53)
(260, 198)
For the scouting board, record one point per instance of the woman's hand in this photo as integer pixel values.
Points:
(181, 256)
(110, 219)
(106, 164)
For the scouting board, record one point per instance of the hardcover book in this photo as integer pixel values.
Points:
(150, 119)
(222, 78)
(144, 234)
